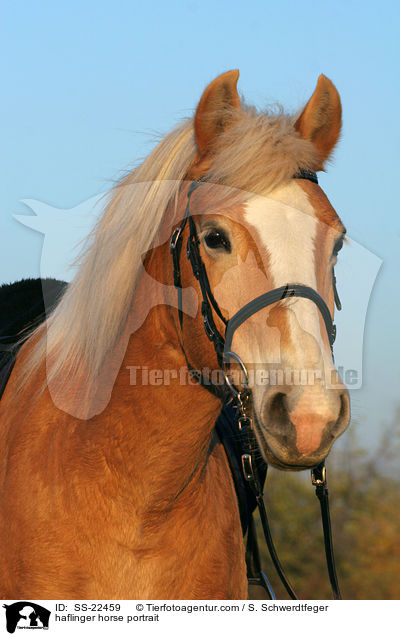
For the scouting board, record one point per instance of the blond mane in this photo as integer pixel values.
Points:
(257, 153)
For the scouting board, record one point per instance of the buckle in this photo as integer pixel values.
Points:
(247, 467)
(175, 238)
(244, 423)
(208, 328)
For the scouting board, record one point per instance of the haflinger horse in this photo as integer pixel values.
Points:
(113, 482)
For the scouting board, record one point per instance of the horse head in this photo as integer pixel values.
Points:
(258, 228)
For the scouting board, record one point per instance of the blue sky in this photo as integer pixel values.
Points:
(86, 85)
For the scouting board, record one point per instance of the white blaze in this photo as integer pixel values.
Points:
(287, 225)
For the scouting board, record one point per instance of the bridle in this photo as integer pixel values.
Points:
(222, 345)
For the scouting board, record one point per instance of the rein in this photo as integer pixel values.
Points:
(253, 476)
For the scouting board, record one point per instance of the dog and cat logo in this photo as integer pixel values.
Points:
(26, 615)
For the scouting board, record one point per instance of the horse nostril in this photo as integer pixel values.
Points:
(344, 414)
(276, 418)
(278, 407)
(344, 405)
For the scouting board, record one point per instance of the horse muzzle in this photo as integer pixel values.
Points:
(296, 427)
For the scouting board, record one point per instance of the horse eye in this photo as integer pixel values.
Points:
(217, 239)
(338, 246)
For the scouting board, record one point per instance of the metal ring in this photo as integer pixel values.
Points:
(231, 386)
(316, 481)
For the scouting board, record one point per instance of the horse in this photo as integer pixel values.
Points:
(114, 482)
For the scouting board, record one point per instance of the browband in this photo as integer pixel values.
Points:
(310, 175)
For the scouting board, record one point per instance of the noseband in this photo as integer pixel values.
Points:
(222, 345)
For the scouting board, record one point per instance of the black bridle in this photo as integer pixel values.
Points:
(222, 345)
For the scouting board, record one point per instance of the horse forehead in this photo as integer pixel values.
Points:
(284, 219)
(306, 197)
(287, 229)
(296, 210)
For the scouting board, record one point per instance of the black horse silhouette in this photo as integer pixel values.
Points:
(26, 610)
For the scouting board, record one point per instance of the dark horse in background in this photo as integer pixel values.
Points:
(23, 307)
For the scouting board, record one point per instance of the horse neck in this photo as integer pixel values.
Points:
(170, 417)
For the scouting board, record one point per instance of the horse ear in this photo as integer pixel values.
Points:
(321, 119)
(214, 112)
